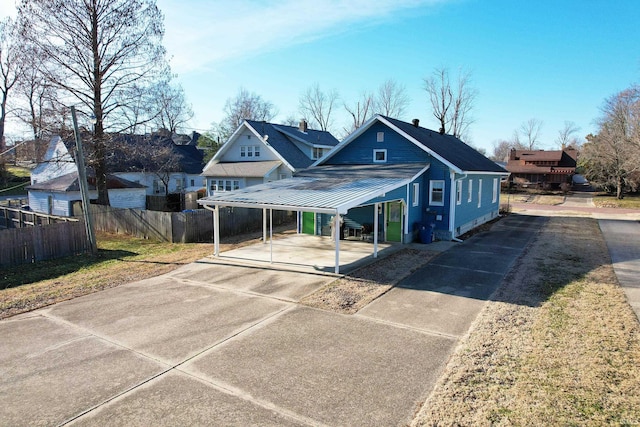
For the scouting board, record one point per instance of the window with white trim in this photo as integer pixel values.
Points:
(249, 151)
(224, 185)
(416, 194)
(380, 137)
(495, 190)
(379, 156)
(317, 153)
(470, 191)
(479, 192)
(458, 192)
(436, 193)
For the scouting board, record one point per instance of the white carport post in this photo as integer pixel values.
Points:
(375, 229)
(264, 226)
(336, 228)
(271, 235)
(216, 230)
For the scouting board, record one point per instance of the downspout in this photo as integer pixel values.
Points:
(454, 194)
(452, 204)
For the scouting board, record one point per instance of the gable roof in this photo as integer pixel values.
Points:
(448, 149)
(69, 182)
(280, 140)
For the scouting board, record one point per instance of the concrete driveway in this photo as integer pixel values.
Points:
(223, 343)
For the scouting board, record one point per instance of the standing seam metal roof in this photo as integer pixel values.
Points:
(324, 194)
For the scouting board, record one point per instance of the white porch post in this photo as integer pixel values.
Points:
(264, 226)
(216, 230)
(375, 229)
(271, 235)
(336, 228)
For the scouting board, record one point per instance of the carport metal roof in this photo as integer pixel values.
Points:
(330, 190)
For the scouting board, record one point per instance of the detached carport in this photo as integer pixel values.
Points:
(329, 190)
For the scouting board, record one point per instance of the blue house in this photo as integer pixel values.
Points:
(385, 181)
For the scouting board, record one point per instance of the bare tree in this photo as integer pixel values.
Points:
(170, 104)
(531, 132)
(501, 150)
(360, 112)
(10, 71)
(451, 105)
(611, 158)
(391, 99)
(317, 106)
(94, 51)
(244, 106)
(566, 134)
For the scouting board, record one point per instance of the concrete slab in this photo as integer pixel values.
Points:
(441, 311)
(165, 318)
(268, 280)
(331, 368)
(305, 252)
(51, 372)
(178, 399)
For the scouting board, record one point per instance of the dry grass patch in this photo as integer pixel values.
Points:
(356, 290)
(121, 259)
(558, 345)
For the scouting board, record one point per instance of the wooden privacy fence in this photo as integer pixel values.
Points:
(30, 244)
(181, 227)
(18, 218)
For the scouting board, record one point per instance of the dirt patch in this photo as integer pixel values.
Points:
(351, 293)
(558, 344)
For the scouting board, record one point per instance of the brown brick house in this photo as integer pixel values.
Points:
(542, 169)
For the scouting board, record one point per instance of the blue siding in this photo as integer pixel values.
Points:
(437, 171)
(469, 211)
(360, 150)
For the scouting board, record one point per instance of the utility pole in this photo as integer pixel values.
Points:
(84, 187)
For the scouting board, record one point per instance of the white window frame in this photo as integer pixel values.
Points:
(249, 151)
(480, 193)
(317, 153)
(416, 194)
(377, 151)
(436, 184)
(380, 137)
(495, 190)
(470, 193)
(458, 192)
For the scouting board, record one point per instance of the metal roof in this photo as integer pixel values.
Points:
(332, 193)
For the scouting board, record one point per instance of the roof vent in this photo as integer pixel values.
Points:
(416, 122)
(303, 126)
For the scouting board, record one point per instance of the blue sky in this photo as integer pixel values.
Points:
(549, 60)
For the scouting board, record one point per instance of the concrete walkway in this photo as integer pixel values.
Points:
(218, 343)
(623, 241)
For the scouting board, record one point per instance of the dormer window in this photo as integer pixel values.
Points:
(317, 153)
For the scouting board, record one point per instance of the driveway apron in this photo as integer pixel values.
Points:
(622, 239)
(447, 294)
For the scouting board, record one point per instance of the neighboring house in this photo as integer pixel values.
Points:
(542, 169)
(389, 178)
(160, 163)
(61, 196)
(260, 152)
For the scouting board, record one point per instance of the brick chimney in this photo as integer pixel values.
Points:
(303, 126)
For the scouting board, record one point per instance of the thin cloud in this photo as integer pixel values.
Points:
(200, 34)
